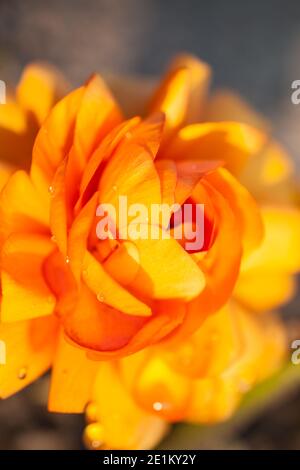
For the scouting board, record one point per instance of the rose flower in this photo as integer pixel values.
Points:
(145, 328)
(203, 379)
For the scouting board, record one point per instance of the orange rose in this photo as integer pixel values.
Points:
(203, 377)
(110, 298)
(189, 316)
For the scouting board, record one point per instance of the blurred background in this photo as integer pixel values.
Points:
(254, 48)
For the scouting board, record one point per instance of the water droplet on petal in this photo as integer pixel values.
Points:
(53, 239)
(67, 260)
(22, 373)
(163, 406)
(94, 435)
(51, 190)
(100, 297)
(158, 406)
(96, 444)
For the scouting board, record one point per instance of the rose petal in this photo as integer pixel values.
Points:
(72, 378)
(29, 352)
(25, 293)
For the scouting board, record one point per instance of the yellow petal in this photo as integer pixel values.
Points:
(78, 235)
(225, 105)
(181, 93)
(244, 207)
(21, 209)
(214, 400)
(29, 352)
(134, 177)
(127, 256)
(167, 173)
(72, 378)
(231, 142)
(263, 290)
(269, 175)
(17, 134)
(280, 248)
(40, 87)
(122, 424)
(6, 171)
(199, 80)
(275, 345)
(54, 140)
(97, 115)
(25, 293)
(111, 293)
(104, 151)
(160, 389)
(209, 351)
(172, 99)
(58, 209)
(177, 277)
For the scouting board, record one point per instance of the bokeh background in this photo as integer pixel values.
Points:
(254, 48)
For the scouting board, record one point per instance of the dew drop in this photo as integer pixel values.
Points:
(67, 260)
(53, 239)
(94, 435)
(157, 406)
(22, 373)
(100, 297)
(51, 190)
(97, 444)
